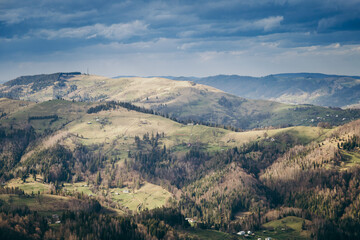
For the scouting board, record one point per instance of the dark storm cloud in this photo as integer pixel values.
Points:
(30, 29)
(171, 18)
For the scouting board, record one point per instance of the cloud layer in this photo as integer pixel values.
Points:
(179, 37)
(117, 31)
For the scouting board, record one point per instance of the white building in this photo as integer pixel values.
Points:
(241, 233)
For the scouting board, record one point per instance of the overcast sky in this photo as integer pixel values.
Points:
(179, 38)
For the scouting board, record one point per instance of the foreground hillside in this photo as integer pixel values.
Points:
(295, 88)
(137, 175)
(182, 100)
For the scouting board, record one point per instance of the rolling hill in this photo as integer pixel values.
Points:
(183, 100)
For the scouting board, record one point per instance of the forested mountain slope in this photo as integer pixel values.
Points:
(141, 172)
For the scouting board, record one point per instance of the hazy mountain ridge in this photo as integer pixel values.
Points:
(295, 88)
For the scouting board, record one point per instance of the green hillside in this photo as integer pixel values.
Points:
(183, 100)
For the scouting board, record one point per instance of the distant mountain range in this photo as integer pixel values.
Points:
(291, 88)
(294, 88)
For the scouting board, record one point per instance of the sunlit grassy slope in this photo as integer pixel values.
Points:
(9, 106)
(119, 127)
(351, 159)
(148, 196)
(30, 185)
(22, 112)
(184, 100)
(44, 204)
(181, 99)
(286, 228)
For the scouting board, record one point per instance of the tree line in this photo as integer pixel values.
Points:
(111, 105)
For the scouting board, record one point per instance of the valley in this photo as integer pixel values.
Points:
(173, 160)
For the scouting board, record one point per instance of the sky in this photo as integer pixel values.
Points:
(179, 38)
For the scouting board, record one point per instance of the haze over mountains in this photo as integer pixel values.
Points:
(294, 88)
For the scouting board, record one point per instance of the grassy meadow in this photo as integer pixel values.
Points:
(44, 204)
(30, 185)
